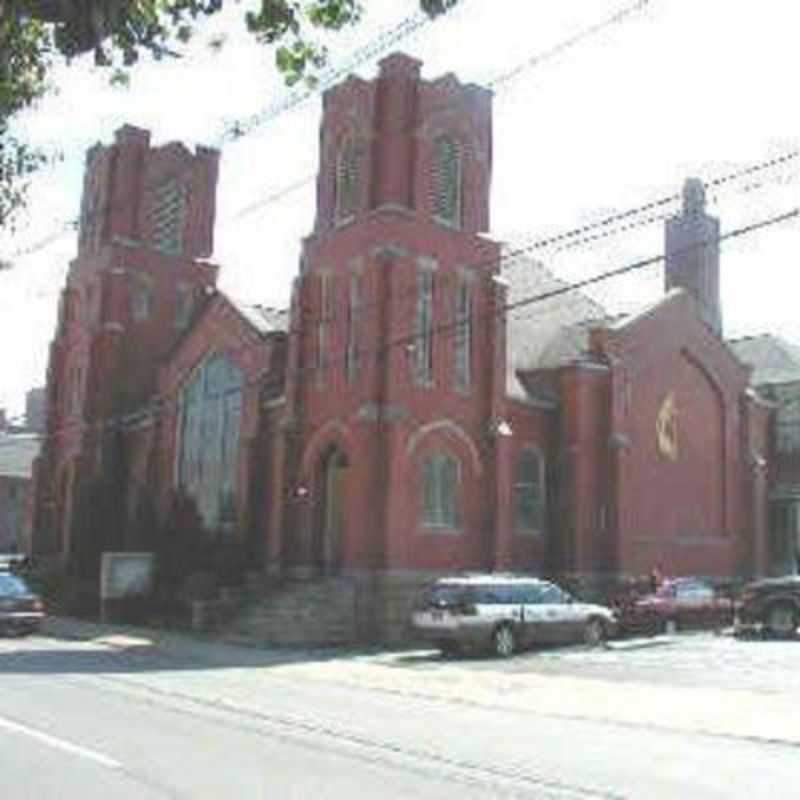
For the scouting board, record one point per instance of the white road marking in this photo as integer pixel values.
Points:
(60, 744)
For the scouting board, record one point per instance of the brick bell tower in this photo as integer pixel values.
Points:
(146, 226)
(147, 218)
(395, 254)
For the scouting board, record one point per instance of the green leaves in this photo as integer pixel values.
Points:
(118, 32)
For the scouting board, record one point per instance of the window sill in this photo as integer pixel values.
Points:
(433, 529)
(529, 533)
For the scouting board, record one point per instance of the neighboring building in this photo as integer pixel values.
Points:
(395, 422)
(35, 410)
(776, 373)
(17, 455)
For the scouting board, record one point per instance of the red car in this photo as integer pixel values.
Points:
(676, 603)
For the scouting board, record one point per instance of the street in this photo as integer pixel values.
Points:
(116, 715)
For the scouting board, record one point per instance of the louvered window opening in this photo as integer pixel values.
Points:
(168, 217)
(440, 491)
(447, 181)
(346, 182)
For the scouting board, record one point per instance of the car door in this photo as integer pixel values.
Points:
(554, 620)
(535, 621)
(691, 601)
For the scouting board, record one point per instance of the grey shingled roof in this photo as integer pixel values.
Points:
(774, 360)
(17, 453)
(264, 319)
(545, 333)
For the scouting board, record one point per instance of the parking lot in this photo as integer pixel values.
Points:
(697, 659)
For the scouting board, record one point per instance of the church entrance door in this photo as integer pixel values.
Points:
(330, 511)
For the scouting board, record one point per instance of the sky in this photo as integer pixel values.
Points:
(616, 120)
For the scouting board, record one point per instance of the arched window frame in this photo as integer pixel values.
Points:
(440, 491)
(346, 180)
(447, 180)
(529, 492)
(209, 440)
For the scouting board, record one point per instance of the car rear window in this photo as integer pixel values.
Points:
(446, 595)
(12, 587)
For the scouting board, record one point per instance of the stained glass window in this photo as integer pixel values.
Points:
(440, 491)
(463, 335)
(423, 335)
(209, 442)
(528, 492)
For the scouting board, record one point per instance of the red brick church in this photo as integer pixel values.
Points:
(393, 423)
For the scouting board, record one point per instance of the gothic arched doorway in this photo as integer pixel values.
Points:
(330, 516)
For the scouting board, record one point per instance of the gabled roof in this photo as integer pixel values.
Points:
(264, 319)
(547, 332)
(774, 360)
(17, 454)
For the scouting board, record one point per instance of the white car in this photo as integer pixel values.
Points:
(506, 613)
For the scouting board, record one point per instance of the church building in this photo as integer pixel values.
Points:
(420, 408)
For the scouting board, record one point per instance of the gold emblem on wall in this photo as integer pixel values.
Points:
(667, 428)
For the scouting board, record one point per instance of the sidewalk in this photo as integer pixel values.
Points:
(736, 713)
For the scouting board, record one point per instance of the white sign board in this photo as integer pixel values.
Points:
(125, 574)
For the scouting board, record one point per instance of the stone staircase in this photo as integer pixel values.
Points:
(313, 612)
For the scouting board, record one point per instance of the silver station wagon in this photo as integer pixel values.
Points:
(506, 613)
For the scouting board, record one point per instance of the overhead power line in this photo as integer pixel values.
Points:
(358, 57)
(381, 351)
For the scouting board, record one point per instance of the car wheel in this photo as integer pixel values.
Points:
(782, 620)
(504, 641)
(594, 633)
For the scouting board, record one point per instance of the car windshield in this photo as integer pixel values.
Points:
(12, 587)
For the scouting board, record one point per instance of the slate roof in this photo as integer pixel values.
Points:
(17, 453)
(548, 332)
(774, 360)
(264, 319)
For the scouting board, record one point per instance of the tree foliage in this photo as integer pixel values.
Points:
(34, 34)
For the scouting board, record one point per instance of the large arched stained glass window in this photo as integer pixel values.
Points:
(529, 492)
(209, 441)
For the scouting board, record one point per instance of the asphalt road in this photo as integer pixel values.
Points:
(89, 720)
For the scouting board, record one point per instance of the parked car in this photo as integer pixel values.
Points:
(771, 605)
(21, 610)
(505, 613)
(676, 603)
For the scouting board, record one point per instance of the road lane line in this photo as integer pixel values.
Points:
(60, 744)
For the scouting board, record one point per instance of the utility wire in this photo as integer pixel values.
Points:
(380, 352)
(237, 130)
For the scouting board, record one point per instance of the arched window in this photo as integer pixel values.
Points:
(346, 181)
(447, 180)
(209, 441)
(529, 495)
(440, 479)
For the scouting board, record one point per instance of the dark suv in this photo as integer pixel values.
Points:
(772, 604)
